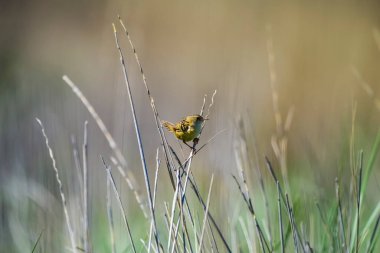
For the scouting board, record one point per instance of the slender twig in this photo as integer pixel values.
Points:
(211, 104)
(196, 151)
(203, 104)
(208, 110)
(63, 198)
(122, 209)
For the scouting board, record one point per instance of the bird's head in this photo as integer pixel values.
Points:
(196, 119)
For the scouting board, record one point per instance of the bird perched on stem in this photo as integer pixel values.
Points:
(187, 129)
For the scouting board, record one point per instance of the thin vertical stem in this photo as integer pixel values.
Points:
(206, 211)
(340, 216)
(158, 162)
(138, 136)
(359, 200)
(122, 209)
(126, 174)
(85, 189)
(280, 218)
(110, 215)
(63, 198)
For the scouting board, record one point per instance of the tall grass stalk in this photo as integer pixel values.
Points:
(138, 136)
(110, 215)
(37, 241)
(126, 174)
(158, 162)
(342, 230)
(85, 190)
(63, 198)
(168, 156)
(373, 240)
(122, 209)
(281, 230)
(205, 214)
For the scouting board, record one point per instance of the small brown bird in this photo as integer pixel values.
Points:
(187, 129)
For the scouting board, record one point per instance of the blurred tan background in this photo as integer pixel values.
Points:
(187, 49)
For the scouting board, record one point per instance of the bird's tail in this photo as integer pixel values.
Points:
(169, 126)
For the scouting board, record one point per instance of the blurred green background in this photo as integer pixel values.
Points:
(187, 49)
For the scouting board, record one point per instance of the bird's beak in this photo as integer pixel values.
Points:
(206, 119)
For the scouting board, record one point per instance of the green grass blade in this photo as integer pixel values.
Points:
(371, 220)
(368, 170)
(38, 239)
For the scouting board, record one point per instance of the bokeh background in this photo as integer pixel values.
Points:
(187, 49)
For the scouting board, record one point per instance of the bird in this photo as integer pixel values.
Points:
(188, 129)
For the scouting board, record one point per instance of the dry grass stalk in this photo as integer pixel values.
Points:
(127, 175)
(85, 190)
(158, 162)
(206, 211)
(138, 136)
(63, 198)
(279, 141)
(122, 209)
(110, 216)
(167, 153)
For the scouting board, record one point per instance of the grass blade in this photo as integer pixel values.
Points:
(36, 243)
(117, 195)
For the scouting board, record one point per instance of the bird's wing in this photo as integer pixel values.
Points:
(170, 126)
(184, 125)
